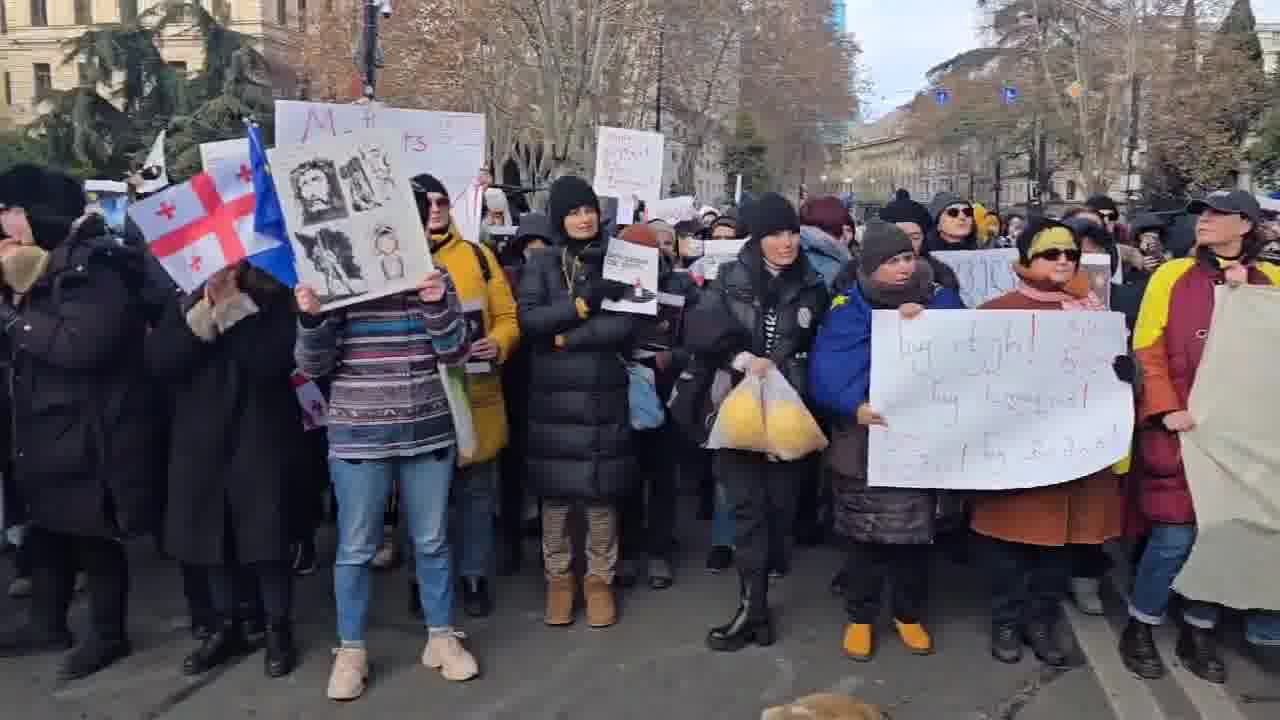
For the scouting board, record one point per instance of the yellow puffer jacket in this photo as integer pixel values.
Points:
(496, 306)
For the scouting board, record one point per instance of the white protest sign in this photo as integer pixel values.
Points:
(635, 265)
(714, 254)
(983, 274)
(673, 210)
(212, 153)
(628, 167)
(996, 399)
(448, 145)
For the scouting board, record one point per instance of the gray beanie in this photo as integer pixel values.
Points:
(942, 201)
(882, 242)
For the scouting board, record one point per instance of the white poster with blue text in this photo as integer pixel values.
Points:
(996, 399)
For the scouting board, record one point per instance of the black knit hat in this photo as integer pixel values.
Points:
(882, 242)
(427, 183)
(770, 214)
(52, 200)
(906, 210)
(568, 194)
(1101, 202)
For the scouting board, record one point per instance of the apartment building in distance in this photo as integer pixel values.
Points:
(33, 34)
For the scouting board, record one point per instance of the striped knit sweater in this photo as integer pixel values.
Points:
(387, 399)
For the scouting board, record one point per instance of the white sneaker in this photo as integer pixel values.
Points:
(350, 673)
(1085, 592)
(444, 652)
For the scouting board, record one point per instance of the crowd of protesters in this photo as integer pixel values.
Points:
(141, 410)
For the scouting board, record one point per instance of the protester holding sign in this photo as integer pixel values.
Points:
(1169, 340)
(762, 313)
(580, 445)
(389, 418)
(890, 529)
(1028, 534)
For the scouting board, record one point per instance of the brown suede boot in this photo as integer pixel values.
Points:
(560, 592)
(601, 611)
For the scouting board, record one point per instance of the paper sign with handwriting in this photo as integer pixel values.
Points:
(628, 167)
(996, 399)
(448, 145)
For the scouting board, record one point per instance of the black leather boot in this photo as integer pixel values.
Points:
(94, 654)
(1006, 646)
(225, 642)
(1198, 651)
(476, 600)
(280, 657)
(751, 623)
(1138, 651)
(46, 630)
(1043, 640)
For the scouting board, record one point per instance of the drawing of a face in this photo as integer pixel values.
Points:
(313, 191)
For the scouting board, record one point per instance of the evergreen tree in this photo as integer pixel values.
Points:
(747, 155)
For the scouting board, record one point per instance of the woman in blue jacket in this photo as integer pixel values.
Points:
(889, 529)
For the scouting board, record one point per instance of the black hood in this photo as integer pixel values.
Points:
(1146, 222)
(534, 224)
(52, 200)
(567, 194)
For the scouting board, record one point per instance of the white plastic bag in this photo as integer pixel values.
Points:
(791, 431)
(740, 419)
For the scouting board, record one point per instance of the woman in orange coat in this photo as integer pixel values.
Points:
(1028, 534)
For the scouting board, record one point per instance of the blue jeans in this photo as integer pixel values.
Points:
(476, 492)
(362, 489)
(1167, 550)
(722, 534)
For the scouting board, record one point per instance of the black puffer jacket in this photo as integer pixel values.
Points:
(83, 407)
(579, 438)
(730, 316)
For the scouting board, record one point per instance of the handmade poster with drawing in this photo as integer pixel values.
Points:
(637, 266)
(1098, 267)
(351, 215)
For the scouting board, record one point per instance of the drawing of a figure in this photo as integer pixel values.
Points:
(363, 195)
(330, 253)
(316, 189)
(378, 165)
(387, 245)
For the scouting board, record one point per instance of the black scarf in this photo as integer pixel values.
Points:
(890, 297)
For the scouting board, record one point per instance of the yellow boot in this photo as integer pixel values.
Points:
(858, 642)
(915, 637)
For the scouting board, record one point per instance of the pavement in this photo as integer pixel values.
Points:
(652, 664)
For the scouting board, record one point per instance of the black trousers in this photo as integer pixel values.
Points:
(868, 566)
(763, 496)
(647, 515)
(274, 582)
(1028, 582)
(55, 558)
(308, 486)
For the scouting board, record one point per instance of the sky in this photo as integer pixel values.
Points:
(901, 39)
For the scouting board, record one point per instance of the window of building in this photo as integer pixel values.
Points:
(1071, 189)
(84, 12)
(302, 14)
(8, 88)
(128, 10)
(4, 19)
(282, 12)
(39, 13)
(44, 79)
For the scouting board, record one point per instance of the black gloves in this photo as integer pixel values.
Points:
(598, 290)
(1125, 368)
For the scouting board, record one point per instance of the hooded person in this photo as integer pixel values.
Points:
(914, 220)
(890, 530)
(954, 226)
(822, 223)
(762, 312)
(84, 462)
(1109, 212)
(1031, 534)
(579, 441)
(493, 335)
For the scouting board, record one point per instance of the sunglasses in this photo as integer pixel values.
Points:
(1056, 254)
(440, 203)
(1108, 215)
(957, 212)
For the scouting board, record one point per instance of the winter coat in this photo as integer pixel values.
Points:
(579, 441)
(839, 382)
(83, 409)
(824, 253)
(491, 312)
(730, 317)
(237, 427)
(1169, 340)
(1086, 511)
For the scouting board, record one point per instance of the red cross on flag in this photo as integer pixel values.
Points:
(203, 225)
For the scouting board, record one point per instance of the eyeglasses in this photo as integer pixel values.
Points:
(1056, 254)
(439, 203)
(1108, 215)
(956, 212)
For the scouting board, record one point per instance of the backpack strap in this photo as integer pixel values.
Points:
(484, 262)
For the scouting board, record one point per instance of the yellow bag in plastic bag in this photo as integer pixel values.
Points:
(740, 420)
(790, 429)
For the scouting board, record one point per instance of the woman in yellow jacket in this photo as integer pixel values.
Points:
(494, 332)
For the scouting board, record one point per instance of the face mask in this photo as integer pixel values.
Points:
(24, 267)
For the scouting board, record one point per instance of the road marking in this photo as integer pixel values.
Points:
(1211, 701)
(1130, 697)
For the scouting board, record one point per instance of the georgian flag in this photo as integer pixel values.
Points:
(198, 228)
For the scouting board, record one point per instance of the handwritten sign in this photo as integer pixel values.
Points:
(996, 400)
(628, 167)
(983, 274)
(224, 151)
(448, 145)
(714, 254)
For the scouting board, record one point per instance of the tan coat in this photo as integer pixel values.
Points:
(1087, 511)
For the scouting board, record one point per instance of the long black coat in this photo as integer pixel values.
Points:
(579, 422)
(83, 409)
(236, 433)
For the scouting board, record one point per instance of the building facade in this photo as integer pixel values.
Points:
(33, 34)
